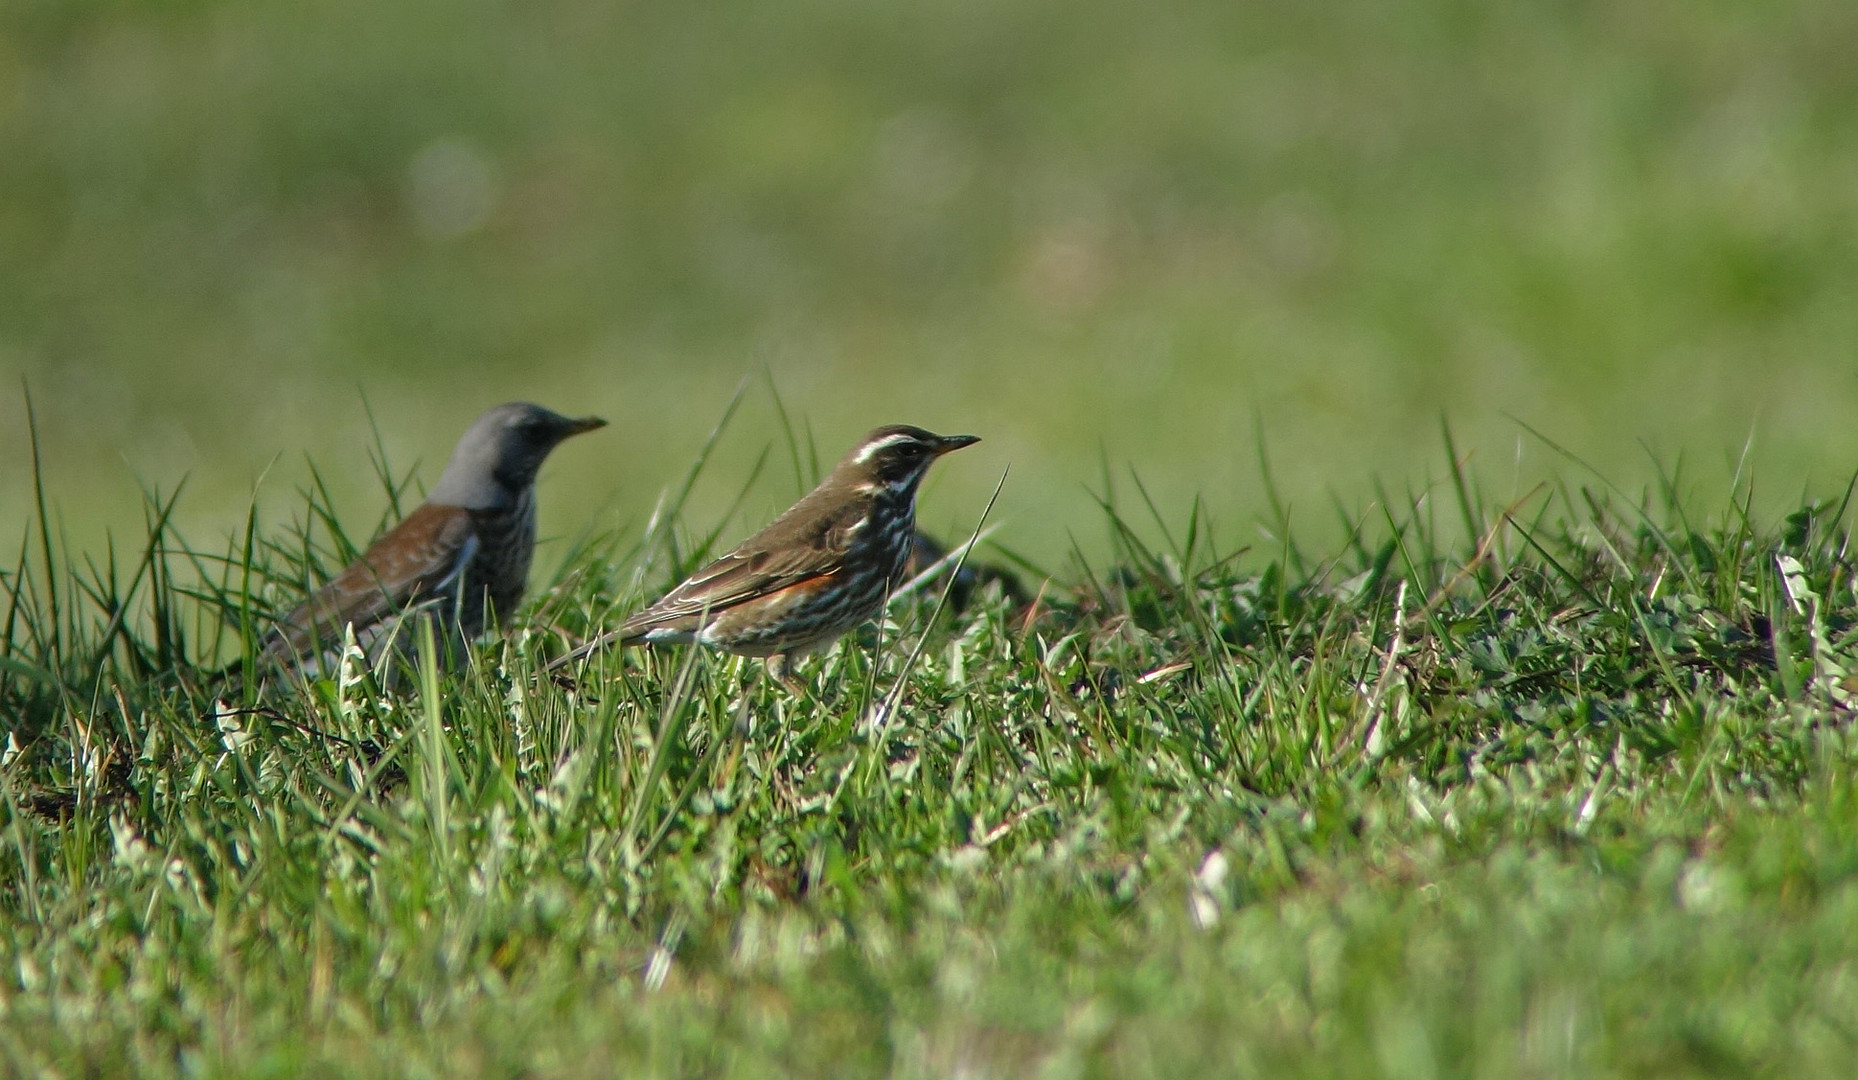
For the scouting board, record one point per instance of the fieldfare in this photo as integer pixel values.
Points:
(820, 569)
(462, 555)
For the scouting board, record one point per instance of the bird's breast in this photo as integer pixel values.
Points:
(506, 544)
(882, 542)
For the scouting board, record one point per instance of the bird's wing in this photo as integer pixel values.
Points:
(416, 557)
(776, 558)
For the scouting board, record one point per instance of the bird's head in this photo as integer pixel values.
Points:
(501, 452)
(895, 458)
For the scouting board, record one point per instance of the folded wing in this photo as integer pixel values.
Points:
(416, 559)
(771, 560)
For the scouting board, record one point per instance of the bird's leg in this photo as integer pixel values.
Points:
(780, 665)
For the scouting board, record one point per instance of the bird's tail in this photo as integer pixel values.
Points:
(623, 636)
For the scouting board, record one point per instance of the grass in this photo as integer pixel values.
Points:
(1472, 777)
(1556, 788)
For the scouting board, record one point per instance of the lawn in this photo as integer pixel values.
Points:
(1572, 799)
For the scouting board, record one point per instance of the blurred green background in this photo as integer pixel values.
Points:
(1085, 230)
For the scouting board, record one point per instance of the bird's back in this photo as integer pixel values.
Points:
(825, 533)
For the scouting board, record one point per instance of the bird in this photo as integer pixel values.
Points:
(818, 570)
(462, 555)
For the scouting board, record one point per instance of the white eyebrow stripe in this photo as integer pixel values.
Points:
(888, 440)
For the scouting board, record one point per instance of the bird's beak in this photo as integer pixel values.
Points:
(584, 424)
(950, 443)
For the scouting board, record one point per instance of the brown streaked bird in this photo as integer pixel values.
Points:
(462, 555)
(820, 569)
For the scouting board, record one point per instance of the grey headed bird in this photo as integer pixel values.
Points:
(819, 570)
(462, 555)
